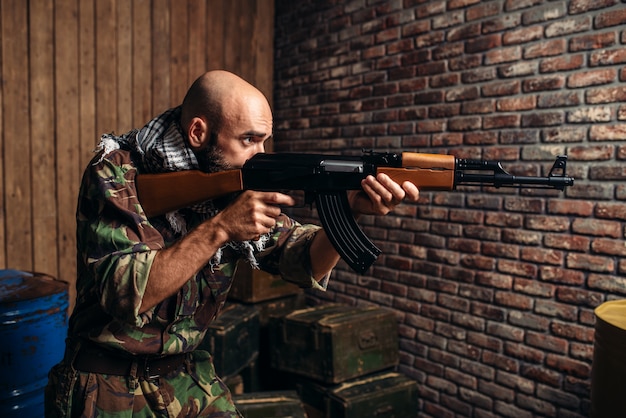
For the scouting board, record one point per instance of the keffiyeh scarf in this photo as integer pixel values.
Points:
(161, 148)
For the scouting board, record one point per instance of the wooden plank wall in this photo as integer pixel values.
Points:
(74, 69)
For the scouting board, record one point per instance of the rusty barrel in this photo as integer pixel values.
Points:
(33, 317)
(608, 372)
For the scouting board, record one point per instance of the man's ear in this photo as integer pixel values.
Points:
(198, 133)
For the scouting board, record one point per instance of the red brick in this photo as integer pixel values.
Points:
(547, 223)
(464, 32)
(596, 227)
(543, 119)
(469, 123)
(543, 83)
(517, 268)
(568, 366)
(567, 242)
(607, 283)
(556, 310)
(501, 55)
(539, 374)
(609, 210)
(520, 4)
(564, 134)
(590, 114)
(546, 342)
(606, 95)
(544, 13)
(478, 107)
(532, 287)
(415, 28)
(518, 69)
(501, 23)
(500, 250)
(542, 256)
(612, 18)
(501, 121)
(589, 42)
(483, 43)
(581, 6)
(457, 4)
(515, 236)
(430, 9)
(591, 78)
(570, 207)
(483, 10)
(480, 138)
(564, 63)
(545, 49)
(561, 275)
(505, 88)
(564, 27)
(512, 104)
(588, 262)
(500, 361)
(522, 35)
(608, 247)
(607, 132)
(608, 57)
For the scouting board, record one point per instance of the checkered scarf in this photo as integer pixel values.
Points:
(161, 148)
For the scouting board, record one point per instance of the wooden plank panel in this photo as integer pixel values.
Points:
(124, 71)
(142, 62)
(160, 56)
(43, 150)
(263, 41)
(106, 63)
(232, 36)
(17, 156)
(80, 85)
(179, 58)
(215, 42)
(87, 73)
(3, 219)
(67, 141)
(197, 39)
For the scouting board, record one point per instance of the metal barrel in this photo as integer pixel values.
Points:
(608, 372)
(33, 318)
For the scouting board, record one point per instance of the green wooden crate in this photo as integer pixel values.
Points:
(333, 343)
(233, 339)
(385, 394)
(278, 404)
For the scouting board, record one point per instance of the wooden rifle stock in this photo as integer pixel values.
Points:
(163, 193)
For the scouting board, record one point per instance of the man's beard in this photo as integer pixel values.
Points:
(211, 159)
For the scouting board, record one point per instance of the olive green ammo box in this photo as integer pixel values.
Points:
(333, 343)
(385, 394)
(279, 404)
(233, 339)
(253, 285)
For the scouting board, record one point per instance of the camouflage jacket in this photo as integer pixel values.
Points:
(116, 247)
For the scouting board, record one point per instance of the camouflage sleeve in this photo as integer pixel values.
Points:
(116, 243)
(288, 254)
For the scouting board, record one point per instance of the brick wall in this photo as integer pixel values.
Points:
(494, 289)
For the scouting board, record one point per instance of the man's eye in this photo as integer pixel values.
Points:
(248, 140)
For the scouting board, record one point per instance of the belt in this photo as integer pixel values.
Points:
(102, 361)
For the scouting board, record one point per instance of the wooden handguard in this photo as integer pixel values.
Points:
(426, 171)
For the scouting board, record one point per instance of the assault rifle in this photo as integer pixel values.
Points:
(325, 180)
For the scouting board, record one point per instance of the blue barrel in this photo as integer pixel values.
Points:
(33, 317)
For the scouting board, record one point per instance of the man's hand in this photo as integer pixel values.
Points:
(251, 215)
(380, 195)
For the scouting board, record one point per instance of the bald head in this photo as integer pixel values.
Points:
(216, 95)
(226, 120)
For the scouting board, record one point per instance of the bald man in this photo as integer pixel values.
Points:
(147, 288)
